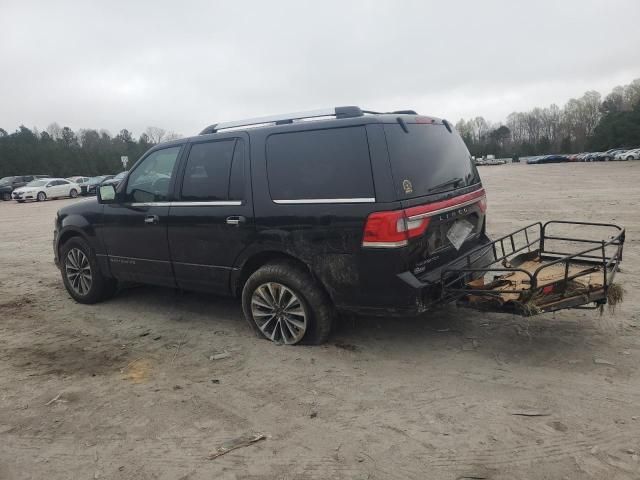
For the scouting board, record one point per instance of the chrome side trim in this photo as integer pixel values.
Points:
(150, 204)
(205, 204)
(447, 209)
(186, 204)
(326, 200)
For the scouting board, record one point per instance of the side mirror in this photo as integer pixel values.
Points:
(106, 194)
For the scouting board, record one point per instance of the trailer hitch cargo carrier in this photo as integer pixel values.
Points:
(539, 268)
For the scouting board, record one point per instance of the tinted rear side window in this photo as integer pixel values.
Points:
(429, 159)
(206, 176)
(320, 164)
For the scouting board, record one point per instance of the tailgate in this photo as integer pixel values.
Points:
(541, 268)
(455, 225)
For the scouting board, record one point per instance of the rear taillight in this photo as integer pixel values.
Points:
(394, 228)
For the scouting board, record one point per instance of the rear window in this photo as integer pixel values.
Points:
(429, 159)
(320, 164)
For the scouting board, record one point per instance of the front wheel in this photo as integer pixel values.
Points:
(73, 193)
(41, 197)
(6, 196)
(284, 304)
(81, 274)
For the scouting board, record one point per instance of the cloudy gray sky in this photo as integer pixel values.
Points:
(184, 65)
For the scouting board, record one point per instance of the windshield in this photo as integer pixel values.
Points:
(428, 159)
(37, 183)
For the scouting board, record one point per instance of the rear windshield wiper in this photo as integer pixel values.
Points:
(453, 182)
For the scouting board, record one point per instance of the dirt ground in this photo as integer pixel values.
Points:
(127, 390)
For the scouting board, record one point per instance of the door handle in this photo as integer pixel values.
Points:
(151, 219)
(236, 220)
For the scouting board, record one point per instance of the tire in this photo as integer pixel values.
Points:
(73, 193)
(20, 201)
(630, 157)
(83, 290)
(6, 196)
(42, 196)
(313, 301)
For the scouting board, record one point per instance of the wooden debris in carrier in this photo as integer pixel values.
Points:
(515, 287)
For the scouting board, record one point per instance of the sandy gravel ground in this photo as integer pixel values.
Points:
(126, 389)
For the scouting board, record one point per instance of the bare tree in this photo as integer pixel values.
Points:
(155, 134)
(171, 135)
(54, 131)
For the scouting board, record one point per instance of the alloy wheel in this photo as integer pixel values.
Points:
(78, 271)
(279, 313)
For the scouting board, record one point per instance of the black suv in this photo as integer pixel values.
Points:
(302, 215)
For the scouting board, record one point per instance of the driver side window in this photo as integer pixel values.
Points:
(149, 182)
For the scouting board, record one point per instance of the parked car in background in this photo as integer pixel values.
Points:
(115, 181)
(592, 157)
(9, 184)
(79, 180)
(44, 188)
(550, 159)
(608, 155)
(495, 161)
(89, 188)
(632, 154)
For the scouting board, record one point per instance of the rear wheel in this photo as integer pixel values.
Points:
(81, 274)
(73, 193)
(284, 304)
(41, 197)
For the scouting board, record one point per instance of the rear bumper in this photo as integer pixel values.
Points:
(403, 294)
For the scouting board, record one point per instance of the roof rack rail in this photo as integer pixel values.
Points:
(405, 112)
(338, 112)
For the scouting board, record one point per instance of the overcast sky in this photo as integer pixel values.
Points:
(184, 65)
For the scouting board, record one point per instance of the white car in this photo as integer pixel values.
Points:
(44, 188)
(629, 155)
(79, 180)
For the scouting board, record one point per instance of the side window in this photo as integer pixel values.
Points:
(320, 164)
(149, 182)
(211, 172)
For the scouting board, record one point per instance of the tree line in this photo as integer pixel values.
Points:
(61, 152)
(588, 123)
